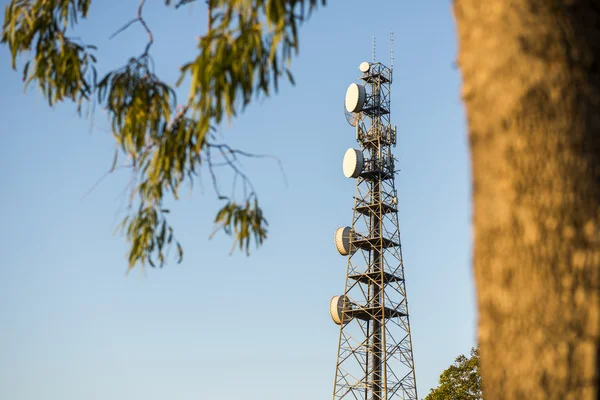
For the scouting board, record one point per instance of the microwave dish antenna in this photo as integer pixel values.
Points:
(352, 117)
(355, 97)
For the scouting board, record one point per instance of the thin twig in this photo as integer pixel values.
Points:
(99, 181)
(143, 22)
(251, 155)
(127, 25)
(150, 37)
(246, 181)
(180, 114)
(212, 174)
(233, 185)
(183, 3)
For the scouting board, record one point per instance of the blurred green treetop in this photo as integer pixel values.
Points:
(462, 380)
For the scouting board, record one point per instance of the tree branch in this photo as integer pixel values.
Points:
(124, 27)
(212, 174)
(150, 37)
(183, 3)
(141, 20)
(235, 152)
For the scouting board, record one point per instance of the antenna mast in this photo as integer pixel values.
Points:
(392, 51)
(373, 51)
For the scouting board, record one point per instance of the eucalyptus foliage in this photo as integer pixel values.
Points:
(461, 381)
(246, 50)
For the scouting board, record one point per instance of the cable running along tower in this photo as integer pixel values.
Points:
(375, 359)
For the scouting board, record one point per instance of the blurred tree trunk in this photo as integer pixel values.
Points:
(531, 87)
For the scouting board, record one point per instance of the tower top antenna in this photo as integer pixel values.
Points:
(373, 54)
(391, 50)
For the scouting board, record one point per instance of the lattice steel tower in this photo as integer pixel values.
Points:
(375, 359)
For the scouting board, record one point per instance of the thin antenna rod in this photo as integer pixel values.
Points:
(391, 50)
(373, 55)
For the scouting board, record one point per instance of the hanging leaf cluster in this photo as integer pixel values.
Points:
(246, 50)
(245, 222)
(62, 67)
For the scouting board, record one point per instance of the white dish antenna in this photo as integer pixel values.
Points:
(353, 163)
(351, 117)
(336, 308)
(342, 240)
(355, 97)
(364, 67)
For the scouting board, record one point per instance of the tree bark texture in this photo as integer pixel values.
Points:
(531, 87)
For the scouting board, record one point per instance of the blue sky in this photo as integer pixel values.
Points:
(75, 326)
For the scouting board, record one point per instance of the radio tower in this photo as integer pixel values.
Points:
(375, 359)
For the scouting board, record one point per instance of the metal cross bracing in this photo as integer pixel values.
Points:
(375, 358)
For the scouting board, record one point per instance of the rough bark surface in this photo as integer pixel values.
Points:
(531, 87)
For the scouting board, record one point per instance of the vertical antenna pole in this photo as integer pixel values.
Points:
(373, 55)
(392, 51)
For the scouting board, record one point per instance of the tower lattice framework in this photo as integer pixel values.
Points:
(375, 358)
